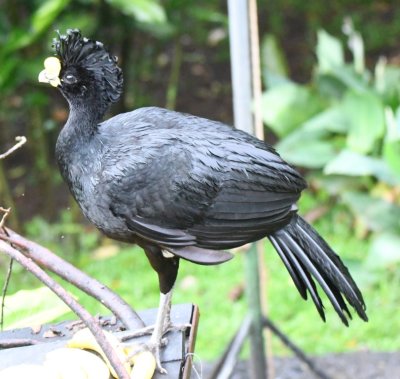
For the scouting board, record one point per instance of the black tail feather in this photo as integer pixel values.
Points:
(306, 256)
(301, 277)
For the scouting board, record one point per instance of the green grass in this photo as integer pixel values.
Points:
(129, 274)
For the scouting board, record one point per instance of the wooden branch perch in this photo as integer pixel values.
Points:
(82, 313)
(47, 259)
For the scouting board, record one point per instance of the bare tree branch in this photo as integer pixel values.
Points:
(20, 141)
(47, 259)
(81, 312)
(5, 211)
(4, 291)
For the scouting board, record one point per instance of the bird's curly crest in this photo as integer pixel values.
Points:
(74, 50)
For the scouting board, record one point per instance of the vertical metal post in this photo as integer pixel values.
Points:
(257, 360)
(241, 66)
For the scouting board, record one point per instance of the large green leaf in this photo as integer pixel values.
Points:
(329, 52)
(365, 113)
(350, 78)
(391, 146)
(273, 61)
(391, 153)
(46, 14)
(17, 39)
(384, 250)
(7, 69)
(387, 82)
(146, 11)
(306, 149)
(350, 163)
(203, 12)
(40, 20)
(288, 105)
(377, 214)
(330, 120)
(336, 185)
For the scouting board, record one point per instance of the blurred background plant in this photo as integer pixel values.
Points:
(331, 103)
(344, 126)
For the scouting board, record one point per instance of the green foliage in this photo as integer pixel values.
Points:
(346, 110)
(23, 35)
(365, 116)
(300, 100)
(345, 123)
(275, 68)
(329, 51)
(146, 11)
(384, 251)
(350, 163)
(67, 236)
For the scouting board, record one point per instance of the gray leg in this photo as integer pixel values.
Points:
(163, 322)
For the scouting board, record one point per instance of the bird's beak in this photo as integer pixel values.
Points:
(51, 72)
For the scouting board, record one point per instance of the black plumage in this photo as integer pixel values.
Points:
(182, 186)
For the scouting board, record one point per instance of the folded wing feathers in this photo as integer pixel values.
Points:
(160, 235)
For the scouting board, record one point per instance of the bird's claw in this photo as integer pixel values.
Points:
(154, 348)
(156, 353)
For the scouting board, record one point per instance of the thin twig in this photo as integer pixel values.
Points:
(4, 292)
(17, 342)
(20, 141)
(6, 212)
(47, 259)
(81, 312)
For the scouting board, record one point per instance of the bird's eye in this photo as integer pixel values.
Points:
(70, 79)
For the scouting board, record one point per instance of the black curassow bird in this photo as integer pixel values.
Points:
(182, 186)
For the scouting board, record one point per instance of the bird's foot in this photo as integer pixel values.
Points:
(148, 330)
(154, 347)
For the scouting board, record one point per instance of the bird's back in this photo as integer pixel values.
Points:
(178, 171)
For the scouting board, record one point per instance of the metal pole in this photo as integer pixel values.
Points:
(241, 66)
(257, 359)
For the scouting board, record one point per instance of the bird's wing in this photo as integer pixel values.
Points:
(239, 217)
(177, 242)
(256, 196)
(201, 184)
(246, 208)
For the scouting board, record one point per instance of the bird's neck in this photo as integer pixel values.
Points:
(81, 126)
(75, 142)
(91, 111)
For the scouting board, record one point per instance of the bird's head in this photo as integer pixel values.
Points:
(83, 70)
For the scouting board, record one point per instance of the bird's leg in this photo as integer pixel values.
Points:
(166, 265)
(161, 326)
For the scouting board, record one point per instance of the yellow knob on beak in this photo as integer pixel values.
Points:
(51, 72)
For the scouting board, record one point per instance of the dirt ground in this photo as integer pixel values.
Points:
(359, 365)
